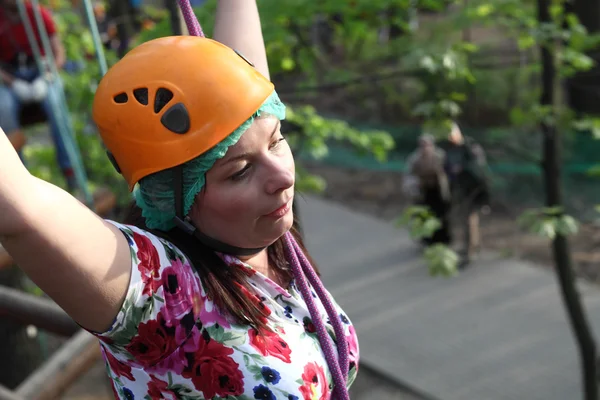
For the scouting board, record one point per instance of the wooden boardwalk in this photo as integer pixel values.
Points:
(498, 331)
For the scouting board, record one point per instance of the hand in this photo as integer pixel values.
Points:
(6, 78)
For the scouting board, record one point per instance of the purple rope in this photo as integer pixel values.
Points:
(338, 328)
(190, 18)
(292, 251)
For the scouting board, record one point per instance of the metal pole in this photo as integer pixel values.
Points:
(89, 12)
(174, 17)
(65, 126)
(178, 26)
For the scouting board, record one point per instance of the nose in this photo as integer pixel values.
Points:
(280, 175)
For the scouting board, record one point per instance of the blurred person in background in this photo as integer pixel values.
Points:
(465, 164)
(21, 81)
(427, 181)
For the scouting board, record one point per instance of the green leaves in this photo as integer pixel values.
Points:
(308, 183)
(588, 124)
(548, 222)
(312, 132)
(421, 223)
(230, 338)
(441, 260)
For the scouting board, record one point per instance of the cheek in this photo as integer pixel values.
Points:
(225, 204)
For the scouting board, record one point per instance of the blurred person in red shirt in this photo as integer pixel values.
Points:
(21, 81)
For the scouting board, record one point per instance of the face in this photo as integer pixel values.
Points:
(455, 136)
(426, 146)
(247, 199)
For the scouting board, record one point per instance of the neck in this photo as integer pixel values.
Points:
(259, 261)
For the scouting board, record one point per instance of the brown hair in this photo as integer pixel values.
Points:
(227, 287)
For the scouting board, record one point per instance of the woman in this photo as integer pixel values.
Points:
(426, 166)
(204, 298)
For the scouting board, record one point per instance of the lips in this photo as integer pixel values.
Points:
(281, 211)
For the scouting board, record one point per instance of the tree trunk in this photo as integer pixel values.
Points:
(560, 246)
(19, 354)
(178, 26)
(119, 11)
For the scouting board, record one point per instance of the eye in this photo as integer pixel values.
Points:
(276, 142)
(238, 176)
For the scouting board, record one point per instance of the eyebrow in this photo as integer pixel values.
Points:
(247, 154)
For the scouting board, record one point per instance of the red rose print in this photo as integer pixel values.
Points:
(248, 271)
(308, 325)
(213, 372)
(153, 342)
(257, 302)
(117, 367)
(158, 389)
(174, 363)
(149, 263)
(269, 343)
(314, 379)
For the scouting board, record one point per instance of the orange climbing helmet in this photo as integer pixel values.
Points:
(170, 100)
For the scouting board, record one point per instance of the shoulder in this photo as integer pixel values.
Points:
(473, 146)
(470, 142)
(164, 291)
(412, 156)
(142, 241)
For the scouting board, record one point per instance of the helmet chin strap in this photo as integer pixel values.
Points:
(184, 223)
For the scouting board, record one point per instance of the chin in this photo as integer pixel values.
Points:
(277, 229)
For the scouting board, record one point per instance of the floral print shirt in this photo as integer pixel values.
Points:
(170, 342)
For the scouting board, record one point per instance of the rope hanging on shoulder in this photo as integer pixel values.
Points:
(302, 269)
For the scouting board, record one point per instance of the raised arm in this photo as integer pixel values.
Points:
(237, 25)
(79, 260)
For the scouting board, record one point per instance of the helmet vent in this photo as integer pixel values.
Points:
(141, 95)
(163, 97)
(176, 119)
(121, 98)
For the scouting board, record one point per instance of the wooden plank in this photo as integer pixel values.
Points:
(65, 366)
(7, 394)
(28, 309)
(498, 331)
